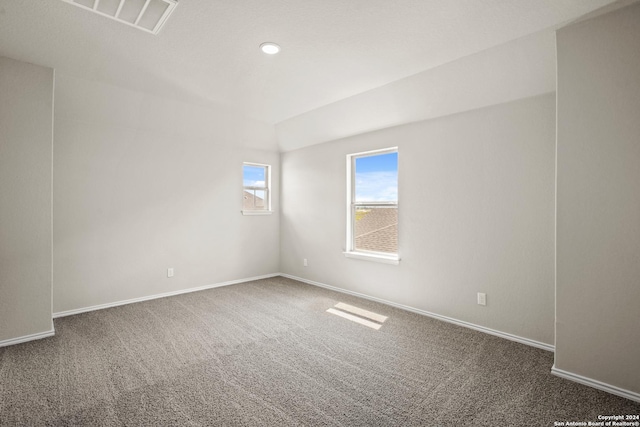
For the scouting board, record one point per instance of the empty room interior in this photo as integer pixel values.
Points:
(418, 212)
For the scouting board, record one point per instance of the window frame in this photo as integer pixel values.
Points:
(352, 204)
(267, 190)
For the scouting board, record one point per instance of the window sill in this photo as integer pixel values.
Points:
(257, 212)
(385, 259)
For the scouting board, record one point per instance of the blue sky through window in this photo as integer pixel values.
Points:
(377, 178)
(253, 176)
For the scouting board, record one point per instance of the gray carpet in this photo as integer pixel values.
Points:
(266, 353)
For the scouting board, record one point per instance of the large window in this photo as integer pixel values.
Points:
(372, 211)
(256, 183)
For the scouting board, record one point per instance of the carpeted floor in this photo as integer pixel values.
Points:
(266, 353)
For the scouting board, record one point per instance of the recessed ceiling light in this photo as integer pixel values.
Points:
(270, 48)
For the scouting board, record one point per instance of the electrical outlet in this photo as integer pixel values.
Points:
(169, 272)
(304, 262)
(482, 298)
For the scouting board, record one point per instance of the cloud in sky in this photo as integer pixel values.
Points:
(250, 183)
(253, 176)
(377, 186)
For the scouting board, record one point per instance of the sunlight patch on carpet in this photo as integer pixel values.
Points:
(358, 315)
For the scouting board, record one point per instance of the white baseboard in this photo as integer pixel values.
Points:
(631, 395)
(489, 331)
(156, 296)
(27, 338)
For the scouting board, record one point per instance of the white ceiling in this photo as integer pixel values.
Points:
(331, 49)
(522, 68)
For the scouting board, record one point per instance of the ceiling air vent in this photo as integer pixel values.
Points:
(146, 15)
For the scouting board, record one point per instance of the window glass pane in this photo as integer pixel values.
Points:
(376, 228)
(247, 199)
(254, 176)
(255, 192)
(376, 178)
(254, 199)
(260, 198)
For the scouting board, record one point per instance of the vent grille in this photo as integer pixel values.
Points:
(146, 15)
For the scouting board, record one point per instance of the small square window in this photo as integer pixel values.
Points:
(256, 188)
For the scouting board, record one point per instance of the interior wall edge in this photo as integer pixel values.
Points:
(157, 296)
(375, 131)
(627, 394)
(27, 338)
(53, 128)
(515, 70)
(26, 112)
(500, 334)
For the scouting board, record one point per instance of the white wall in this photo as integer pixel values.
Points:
(26, 105)
(144, 183)
(598, 240)
(476, 195)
